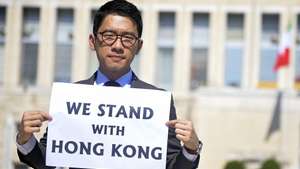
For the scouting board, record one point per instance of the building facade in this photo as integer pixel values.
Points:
(216, 57)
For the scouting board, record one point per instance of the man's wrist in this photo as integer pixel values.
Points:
(21, 140)
(27, 147)
(195, 151)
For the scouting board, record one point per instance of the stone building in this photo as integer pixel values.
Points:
(216, 56)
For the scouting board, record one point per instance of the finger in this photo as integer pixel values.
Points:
(34, 123)
(171, 123)
(46, 116)
(181, 126)
(33, 117)
(182, 138)
(32, 129)
(187, 129)
(30, 113)
(185, 125)
(184, 122)
(182, 132)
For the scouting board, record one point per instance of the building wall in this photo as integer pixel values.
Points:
(235, 124)
(231, 121)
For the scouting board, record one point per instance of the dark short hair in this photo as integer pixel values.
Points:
(120, 7)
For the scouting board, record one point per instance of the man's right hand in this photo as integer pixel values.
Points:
(31, 122)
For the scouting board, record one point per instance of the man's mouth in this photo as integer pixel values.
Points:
(116, 58)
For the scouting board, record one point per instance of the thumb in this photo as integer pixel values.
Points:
(46, 116)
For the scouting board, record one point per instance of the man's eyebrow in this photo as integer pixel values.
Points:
(126, 33)
(109, 30)
(121, 33)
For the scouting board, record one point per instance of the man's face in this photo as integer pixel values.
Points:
(115, 55)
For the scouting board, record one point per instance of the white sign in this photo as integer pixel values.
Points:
(107, 127)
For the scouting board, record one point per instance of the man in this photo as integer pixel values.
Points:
(116, 39)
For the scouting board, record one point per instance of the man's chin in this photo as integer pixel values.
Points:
(114, 68)
(117, 69)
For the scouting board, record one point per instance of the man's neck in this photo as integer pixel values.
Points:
(113, 75)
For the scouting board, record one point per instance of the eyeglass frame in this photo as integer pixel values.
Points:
(117, 37)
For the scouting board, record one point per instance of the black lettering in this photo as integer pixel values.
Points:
(143, 152)
(86, 108)
(95, 148)
(105, 129)
(97, 129)
(156, 156)
(85, 148)
(148, 115)
(68, 148)
(122, 111)
(127, 149)
(74, 107)
(59, 146)
(115, 150)
(111, 127)
(102, 112)
(110, 106)
(120, 130)
(134, 112)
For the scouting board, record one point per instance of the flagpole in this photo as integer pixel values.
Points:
(282, 67)
(282, 87)
(299, 143)
(281, 120)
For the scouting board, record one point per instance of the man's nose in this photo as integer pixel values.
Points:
(118, 42)
(118, 46)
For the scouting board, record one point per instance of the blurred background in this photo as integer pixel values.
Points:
(232, 65)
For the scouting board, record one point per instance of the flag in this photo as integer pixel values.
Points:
(283, 55)
(276, 117)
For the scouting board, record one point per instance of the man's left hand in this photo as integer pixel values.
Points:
(185, 132)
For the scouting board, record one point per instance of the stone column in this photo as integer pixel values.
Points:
(80, 47)
(148, 53)
(182, 52)
(47, 45)
(12, 52)
(215, 58)
(248, 50)
(254, 67)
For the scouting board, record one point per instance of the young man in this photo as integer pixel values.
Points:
(116, 39)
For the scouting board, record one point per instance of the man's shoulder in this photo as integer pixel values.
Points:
(144, 85)
(85, 81)
(89, 81)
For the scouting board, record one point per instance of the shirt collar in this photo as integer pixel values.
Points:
(124, 80)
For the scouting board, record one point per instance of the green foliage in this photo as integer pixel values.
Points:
(235, 164)
(270, 164)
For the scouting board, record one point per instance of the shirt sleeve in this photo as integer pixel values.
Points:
(28, 146)
(189, 156)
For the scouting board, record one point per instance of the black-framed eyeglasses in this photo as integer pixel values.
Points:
(110, 37)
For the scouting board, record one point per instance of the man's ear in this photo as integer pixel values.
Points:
(92, 41)
(139, 47)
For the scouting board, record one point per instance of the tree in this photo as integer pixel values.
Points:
(235, 164)
(270, 163)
